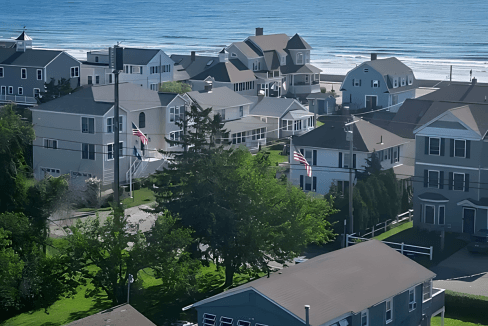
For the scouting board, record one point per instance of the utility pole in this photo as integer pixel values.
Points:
(349, 138)
(130, 279)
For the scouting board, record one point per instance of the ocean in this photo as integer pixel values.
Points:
(428, 35)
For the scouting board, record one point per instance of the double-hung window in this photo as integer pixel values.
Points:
(110, 124)
(23, 73)
(175, 136)
(87, 125)
(403, 81)
(1, 72)
(299, 58)
(287, 125)
(441, 215)
(50, 143)
(434, 146)
(222, 114)
(239, 137)
(347, 160)
(298, 125)
(459, 148)
(209, 320)
(375, 83)
(395, 82)
(226, 321)
(20, 91)
(410, 79)
(356, 82)
(171, 114)
(365, 318)
(458, 181)
(39, 74)
(433, 179)
(412, 304)
(75, 72)
(87, 151)
(10, 89)
(429, 214)
(111, 150)
(389, 311)
(427, 290)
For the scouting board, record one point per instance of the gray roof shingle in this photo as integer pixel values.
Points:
(122, 315)
(247, 50)
(31, 57)
(274, 106)
(276, 42)
(226, 72)
(136, 56)
(298, 43)
(219, 97)
(344, 281)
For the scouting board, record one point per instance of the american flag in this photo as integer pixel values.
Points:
(137, 132)
(299, 157)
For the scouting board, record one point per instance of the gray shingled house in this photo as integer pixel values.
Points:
(378, 83)
(74, 133)
(24, 70)
(121, 315)
(365, 284)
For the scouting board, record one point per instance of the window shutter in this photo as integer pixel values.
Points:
(391, 155)
(451, 154)
(451, 176)
(466, 182)
(353, 161)
(441, 180)
(314, 157)
(443, 146)
(360, 82)
(426, 178)
(379, 83)
(426, 145)
(399, 153)
(340, 159)
(314, 184)
(353, 82)
(371, 83)
(301, 181)
(468, 148)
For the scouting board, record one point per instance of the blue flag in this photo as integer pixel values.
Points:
(136, 154)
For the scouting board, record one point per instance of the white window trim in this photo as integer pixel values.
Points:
(412, 303)
(425, 215)
(10, 90)
(403, 81)
(391, 309)
(364, 312)
(453, 182)
(302, 57)
(366, 99)
(96, 79)
(174, 133)
(20, 91)
(430, 290)
(209, 316)
(75, 72)
(34, 92)
(226, 323)
(439, 146)
(171, 114)
(357, 82)
(376, 84)
(438, 215)
(410, 79)
(438, 179)
(50, 139)
(3, 72)
(395, 82)
(39, 70)
(21, 73)
(121, 124)
(243, 323)
(113, 151)
(94, 152)
(94, 125)
(454, 154)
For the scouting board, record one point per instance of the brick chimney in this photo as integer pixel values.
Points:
(192, 56)
(374, 56)
(259, 31)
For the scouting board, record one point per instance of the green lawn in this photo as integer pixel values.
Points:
(275, 157)
(394, 231)
(140, 197)
(319, 123)
(89, 209)
(436, 321)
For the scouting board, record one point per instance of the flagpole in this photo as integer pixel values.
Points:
(130, 176)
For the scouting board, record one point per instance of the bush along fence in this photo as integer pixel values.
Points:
(387, 225)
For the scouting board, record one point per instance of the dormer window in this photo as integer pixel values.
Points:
(375, 83)
(299, 58)
(403, 81)
(283, 60)
(356, 82)
(395, 82)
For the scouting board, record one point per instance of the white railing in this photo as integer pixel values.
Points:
(403, 248)
(133, 168)
(377, 229)
(18, 99)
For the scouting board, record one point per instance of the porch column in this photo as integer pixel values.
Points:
(442, 318)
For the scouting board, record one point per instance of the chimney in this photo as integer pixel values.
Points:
(307, 315)
(192, 56)
(208, 86)
(474, 81)
(259, 31)
(223, 56)
(374, 56)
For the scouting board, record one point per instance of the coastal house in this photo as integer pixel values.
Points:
(378, 83)
(74, 133)
(280, 63)
(322, 103)
(121, 315)
(285, 117)
(24, 70)
(221, 72)
(366, 284)
(327, 151)
(147, 68)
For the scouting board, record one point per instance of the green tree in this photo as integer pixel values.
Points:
(16, 135)
(53, 89)
(11, 267)
(175, 87)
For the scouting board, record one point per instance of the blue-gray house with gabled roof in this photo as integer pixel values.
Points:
(378, 83)
(24, 70)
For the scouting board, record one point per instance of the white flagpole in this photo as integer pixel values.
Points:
(130, 176)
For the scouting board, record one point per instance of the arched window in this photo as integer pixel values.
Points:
(299, 58)
(142, 120)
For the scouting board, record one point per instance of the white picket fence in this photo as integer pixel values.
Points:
(375, 230)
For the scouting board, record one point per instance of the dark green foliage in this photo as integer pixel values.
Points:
(55, 89)
(175, 87)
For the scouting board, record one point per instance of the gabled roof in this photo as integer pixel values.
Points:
(275, 106)
(298, 43)
(226, 72)
(299, 69)
(97, 100)
(272, 60)
(244, 124)
(23, 37)
(248, 50)
(219, 97)
(135, 56)
(276, 42)
(31, 57)
(344, 281)
(389, 66)
(467, 93)
(122, 315)
(367, 136)
(185, 67)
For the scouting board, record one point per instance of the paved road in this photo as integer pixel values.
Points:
(463, 272)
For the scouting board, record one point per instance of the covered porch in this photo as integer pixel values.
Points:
(270, 84)
(296, 122)
(248, 131)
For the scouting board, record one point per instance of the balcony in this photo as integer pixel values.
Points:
(18, 99)
(434, 304)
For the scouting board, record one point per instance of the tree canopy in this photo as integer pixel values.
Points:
(175, 87)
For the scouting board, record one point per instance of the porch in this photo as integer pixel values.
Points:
(18, 99)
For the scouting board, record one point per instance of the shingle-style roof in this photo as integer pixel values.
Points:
(389, 66)
(122, 315)
(23, 37)
(192, 68)
(432, 196)
(226, 72)
(219, 97)
(467, 93)
(248, 50)
(299, 69)
(344, 281)
(134, 56)
(276, 42)
(298, 43)
(367, 136)
(31, 57)
(97, 100)
(244, 124)
(272, 60)
(275, 106)
(297, 114)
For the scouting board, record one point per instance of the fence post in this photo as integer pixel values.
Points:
(402, 248)
(410, 215)
(431, 252)
(372, 234)
(386, 222)
(347, 240)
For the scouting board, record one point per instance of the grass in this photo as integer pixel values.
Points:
(395, 230)
(88, 209)
(436, 321)
(319, 123)
(140, 197)
(275, 157)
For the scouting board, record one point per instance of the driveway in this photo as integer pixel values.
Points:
(463, 272)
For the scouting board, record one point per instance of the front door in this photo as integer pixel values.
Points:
(370, 102)
(468, 220)
(321, 107)
(3, 90)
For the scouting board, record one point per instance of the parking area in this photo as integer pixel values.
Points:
(463, 272)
